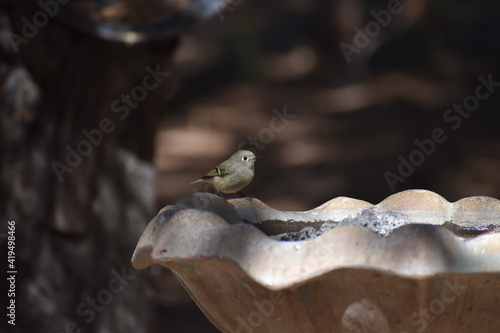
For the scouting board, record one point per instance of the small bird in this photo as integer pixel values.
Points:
(232, 175)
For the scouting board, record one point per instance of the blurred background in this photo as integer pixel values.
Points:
(338, 97)
(353, 119)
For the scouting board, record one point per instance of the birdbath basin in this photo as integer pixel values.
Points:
(412, 263)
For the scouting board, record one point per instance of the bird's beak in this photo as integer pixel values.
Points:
(256, 157)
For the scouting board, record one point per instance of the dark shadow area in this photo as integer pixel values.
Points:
(360, 98)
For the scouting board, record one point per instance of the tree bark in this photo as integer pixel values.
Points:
(76, 171)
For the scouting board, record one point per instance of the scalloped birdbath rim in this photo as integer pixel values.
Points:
(208, 227)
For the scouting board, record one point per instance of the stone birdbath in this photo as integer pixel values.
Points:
(412, 263)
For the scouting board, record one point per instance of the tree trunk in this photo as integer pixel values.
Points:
(78, 118)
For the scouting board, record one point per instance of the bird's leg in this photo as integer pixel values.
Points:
(242, 195)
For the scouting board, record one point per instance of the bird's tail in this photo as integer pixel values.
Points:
(197, 181)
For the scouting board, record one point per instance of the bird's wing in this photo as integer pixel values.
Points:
(217, 171)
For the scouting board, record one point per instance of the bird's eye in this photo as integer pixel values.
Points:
(244, 158)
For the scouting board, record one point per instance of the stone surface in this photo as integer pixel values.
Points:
(338, 275)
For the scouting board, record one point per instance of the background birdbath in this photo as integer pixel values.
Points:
(413, 262)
